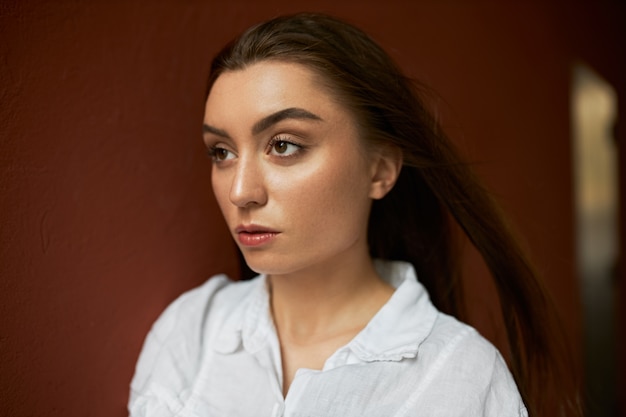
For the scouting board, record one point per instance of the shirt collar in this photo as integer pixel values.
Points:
(402, 324)
(258, 325)
(394, 333)
(248, 323)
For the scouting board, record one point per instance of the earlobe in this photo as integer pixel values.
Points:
(386, 169)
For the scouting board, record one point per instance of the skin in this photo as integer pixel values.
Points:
(305, 180)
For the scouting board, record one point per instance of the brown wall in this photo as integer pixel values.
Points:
(106, 211)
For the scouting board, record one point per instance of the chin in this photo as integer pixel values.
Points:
(264, 266)
(267, 269)
(269, 264)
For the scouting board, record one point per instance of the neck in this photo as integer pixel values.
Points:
(326, 300)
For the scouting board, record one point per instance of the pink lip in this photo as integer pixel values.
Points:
(253, 235)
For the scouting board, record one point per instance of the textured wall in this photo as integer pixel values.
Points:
(106, 211)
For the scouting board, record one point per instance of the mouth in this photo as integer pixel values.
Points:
(253, 235)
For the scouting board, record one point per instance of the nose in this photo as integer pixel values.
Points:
(248, 188)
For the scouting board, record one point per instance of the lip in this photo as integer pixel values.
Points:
(255, 235)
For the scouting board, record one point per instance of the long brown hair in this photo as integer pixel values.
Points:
(435, 192)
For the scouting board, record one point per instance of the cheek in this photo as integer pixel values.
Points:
(329, 197)
(220, 190)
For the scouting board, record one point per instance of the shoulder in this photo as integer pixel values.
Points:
(175, 345)
(450, 338)
(466, 372)
(189, 313)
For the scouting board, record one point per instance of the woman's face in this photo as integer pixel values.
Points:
(290, 173)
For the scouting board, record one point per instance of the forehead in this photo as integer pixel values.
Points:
(267, 87)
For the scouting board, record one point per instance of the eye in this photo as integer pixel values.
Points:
(219, 154)
(283, 148)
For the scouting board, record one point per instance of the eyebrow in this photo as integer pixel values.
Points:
(279, 116)
(269, 121)
(210, 129)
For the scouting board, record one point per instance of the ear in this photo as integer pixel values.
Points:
(386, 166)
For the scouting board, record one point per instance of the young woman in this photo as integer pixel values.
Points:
(343, 194)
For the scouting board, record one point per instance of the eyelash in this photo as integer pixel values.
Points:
(281, 139)
(214, 149)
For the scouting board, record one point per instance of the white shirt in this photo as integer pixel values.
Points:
(214, 352)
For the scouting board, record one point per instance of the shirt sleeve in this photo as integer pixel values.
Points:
(172, 350)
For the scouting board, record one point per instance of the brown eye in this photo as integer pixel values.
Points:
(281, 147)
(221, 154)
